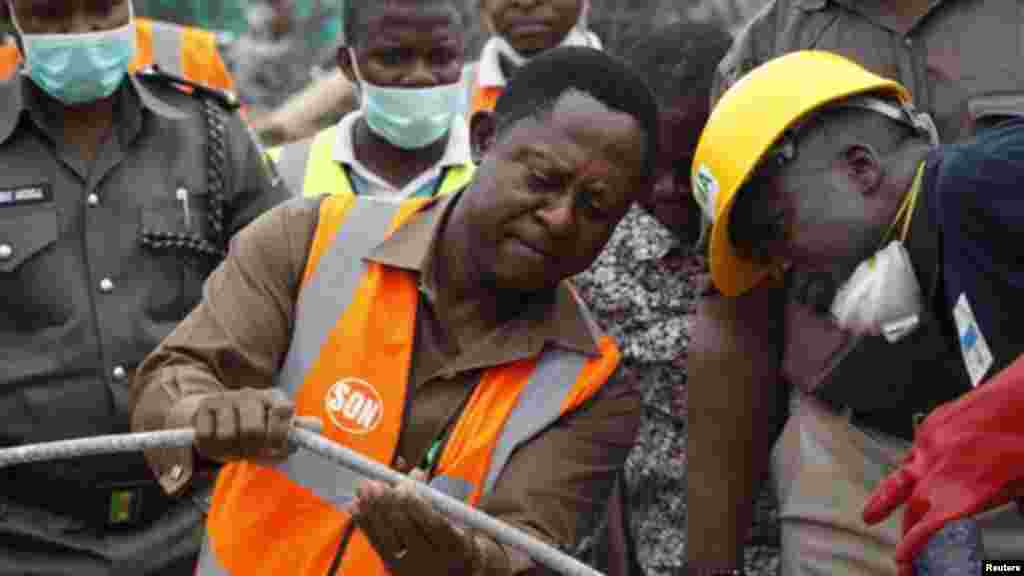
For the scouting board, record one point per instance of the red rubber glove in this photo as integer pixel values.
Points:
(967, 457)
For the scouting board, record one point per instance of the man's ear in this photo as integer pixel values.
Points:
(482, 131)
(345, 64)
(863, 166)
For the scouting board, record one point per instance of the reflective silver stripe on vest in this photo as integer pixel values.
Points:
(320, 304)
(469, 76)
(539, 405)
(167, 48)
(291, 165)
(455, 487)
(208, 564)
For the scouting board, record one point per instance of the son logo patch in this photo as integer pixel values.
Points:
(354, 406)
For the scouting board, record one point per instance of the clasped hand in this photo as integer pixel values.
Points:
(247, 424)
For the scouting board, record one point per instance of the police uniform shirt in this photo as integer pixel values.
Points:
(85, 298)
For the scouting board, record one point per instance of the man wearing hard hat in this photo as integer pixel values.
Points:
(960, 60)
(911, 245)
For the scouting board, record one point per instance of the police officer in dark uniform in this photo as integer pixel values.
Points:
(118, 195)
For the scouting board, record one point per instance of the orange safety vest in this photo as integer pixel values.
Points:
(188, 53)
(480, 98)
(348, 364)
(485, 98)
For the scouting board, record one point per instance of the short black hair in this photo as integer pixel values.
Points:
(354, 14)
(680, 59)
(536, 87)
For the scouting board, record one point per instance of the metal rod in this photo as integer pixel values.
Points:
(508, 535)
(935, 560)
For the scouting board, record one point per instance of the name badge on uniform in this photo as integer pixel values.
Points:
(22, 195)
(977, 356)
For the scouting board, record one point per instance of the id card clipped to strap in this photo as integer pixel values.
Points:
(977, 355)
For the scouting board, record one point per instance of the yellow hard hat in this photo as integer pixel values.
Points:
(748, 119)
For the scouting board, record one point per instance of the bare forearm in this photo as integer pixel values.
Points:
(315, 108)
(732, 390)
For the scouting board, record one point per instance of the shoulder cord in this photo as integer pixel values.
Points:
(216, 164)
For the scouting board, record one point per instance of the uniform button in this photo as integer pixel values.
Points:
(119, 372)
(93, 200)
(908, 42)
(6, 251)
(176, 472)
(106, 285)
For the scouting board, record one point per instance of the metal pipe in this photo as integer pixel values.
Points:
(182, 438)
(956, 550)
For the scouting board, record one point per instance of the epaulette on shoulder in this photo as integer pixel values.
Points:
(223, 97)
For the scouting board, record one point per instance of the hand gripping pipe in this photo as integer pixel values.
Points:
(182, 438)
(954, 551)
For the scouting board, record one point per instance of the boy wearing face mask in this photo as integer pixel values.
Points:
(520, 30)
(119, 193)
(407, 139)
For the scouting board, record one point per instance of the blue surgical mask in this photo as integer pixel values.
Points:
(79, 68)
(409, 118)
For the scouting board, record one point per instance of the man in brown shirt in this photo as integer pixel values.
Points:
(575, 137)
(959, 59)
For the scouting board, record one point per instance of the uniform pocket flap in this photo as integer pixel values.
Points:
(165, 220)
(811, 5)
(981, 107)
(24, 232)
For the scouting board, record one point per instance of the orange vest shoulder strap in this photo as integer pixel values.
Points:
(347, 364)
(143, 45)
(181, 51)
(10, 57)
(485, 98)
(201, 60)
(511, 405)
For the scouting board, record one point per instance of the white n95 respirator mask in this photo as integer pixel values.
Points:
(882, 297)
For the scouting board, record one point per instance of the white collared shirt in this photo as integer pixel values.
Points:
(365, 182)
